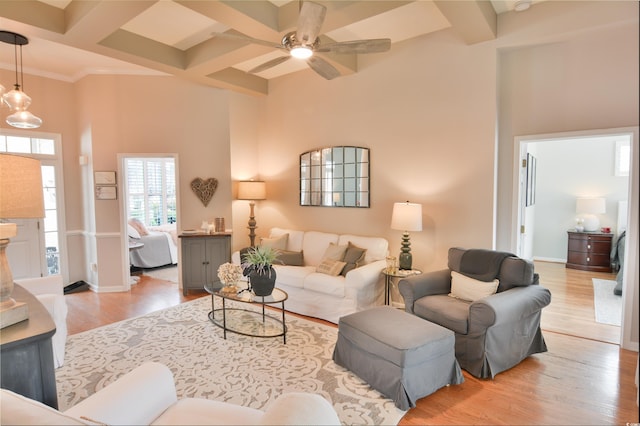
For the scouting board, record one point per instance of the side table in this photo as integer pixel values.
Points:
(395, 274)
(27, 364)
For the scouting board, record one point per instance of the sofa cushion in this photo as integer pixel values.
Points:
(469, 289)
(443, 310)
(294, 242)
(292, 276)
(278, 243)
(323, 283)
(377, 248)
(331, 267)
(291, 258)
(198, 411)
(353, 257)
(314, 245)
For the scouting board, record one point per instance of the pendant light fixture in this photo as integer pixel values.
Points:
(17, 100)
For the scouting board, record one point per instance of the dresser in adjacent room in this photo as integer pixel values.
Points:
(589, 251)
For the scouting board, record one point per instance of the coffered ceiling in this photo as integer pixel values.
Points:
(72, 38)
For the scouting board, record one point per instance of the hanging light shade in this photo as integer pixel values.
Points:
(16, 99)
(24, 120)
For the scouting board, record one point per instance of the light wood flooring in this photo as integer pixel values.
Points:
(579, 381)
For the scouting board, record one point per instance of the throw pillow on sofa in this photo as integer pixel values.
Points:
(330, 267)
(278, 243)
(334, 252)
(353, 257)
(291, 258)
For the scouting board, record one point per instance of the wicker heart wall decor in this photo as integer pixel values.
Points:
(204, 189)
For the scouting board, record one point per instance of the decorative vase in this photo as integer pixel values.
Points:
(263, 284)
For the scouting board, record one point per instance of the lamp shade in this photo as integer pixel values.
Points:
(252, 190)
(407, 217)
(20, 188)
(590, 205)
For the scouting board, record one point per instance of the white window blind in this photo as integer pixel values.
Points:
(151, 190)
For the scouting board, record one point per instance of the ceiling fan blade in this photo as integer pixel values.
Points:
(322, 67)
(240, 37)
(357, 46)
(310, 21)
(269, 64)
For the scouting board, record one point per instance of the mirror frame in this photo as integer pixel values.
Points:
(336, 176)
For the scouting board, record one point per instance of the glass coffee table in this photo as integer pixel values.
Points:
(248, 322)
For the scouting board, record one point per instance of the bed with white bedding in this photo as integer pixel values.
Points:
(159, 247)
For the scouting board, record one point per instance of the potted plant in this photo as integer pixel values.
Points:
(257, 264)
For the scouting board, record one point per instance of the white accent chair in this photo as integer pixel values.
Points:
(147, 396)
(50, 292)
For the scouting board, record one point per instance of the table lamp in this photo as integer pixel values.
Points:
(21, 197)
(406, 217)
(252, 190)
(590, 208)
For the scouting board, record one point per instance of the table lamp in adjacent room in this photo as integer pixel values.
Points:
(406, 217)
(589, 208)
(253, 191)
(21, 197)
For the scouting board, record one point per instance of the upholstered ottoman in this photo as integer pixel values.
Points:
(400, 355)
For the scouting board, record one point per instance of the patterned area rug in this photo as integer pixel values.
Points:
(242, 370)
(608, 306)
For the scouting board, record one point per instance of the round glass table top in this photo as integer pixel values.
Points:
(243, 294)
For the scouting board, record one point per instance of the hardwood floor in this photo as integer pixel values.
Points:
(579, 381)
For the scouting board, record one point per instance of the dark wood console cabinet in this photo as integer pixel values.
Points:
(27, 355)
(589, 251)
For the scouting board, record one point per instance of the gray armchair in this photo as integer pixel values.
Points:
(493, 333)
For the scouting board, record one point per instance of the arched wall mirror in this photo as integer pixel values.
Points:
(336, 176)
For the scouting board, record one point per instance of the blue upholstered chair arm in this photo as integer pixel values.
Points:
(509, 306)
(414, 287)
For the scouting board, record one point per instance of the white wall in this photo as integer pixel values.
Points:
(431, 132)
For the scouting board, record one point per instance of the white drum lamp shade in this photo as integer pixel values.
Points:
(589, 208)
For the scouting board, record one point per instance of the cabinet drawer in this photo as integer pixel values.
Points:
(588, 259)
(590, 245)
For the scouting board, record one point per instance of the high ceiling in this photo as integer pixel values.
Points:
(69, 39)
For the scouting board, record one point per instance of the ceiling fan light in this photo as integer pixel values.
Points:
(301, 52)
(24, 120)
(16, 99)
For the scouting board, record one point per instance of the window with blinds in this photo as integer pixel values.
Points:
(151, 190)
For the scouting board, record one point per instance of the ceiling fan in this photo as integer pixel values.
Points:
(304, 42)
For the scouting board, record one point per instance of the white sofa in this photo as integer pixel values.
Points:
(323, 296)
(147, 396)
(50, 292)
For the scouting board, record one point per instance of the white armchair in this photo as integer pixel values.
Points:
(147, 396)
(50, 292)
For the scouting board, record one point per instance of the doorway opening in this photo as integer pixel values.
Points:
(150, 211)
(569, 166)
